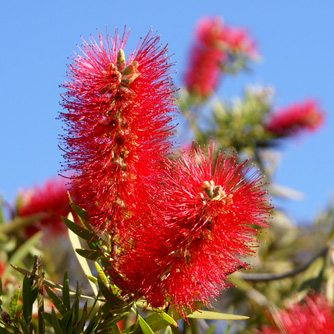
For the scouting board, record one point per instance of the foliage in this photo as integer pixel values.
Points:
(144, 224)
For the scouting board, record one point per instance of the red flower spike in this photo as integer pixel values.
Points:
(3, 266)
(315, 315)
(210, 210)
(51, 200)
(298, 117)
(118, 127)
(214, 42)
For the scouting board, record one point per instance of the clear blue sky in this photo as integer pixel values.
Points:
(295, 39)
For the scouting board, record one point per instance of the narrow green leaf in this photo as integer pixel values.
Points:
(40, 298)
(167, 318)
(18, 223)
(4, 331)
(27, 300)
(112, 320)
(90, 254)
(81, 213)
(135, 328)
(106, 292)
(64, 323)
(66, 292)
(50, 284)
(168, 330)
(56, 300)
(23, 251)
(21, 270)
(93, 325)
(144, 326)
(80, 230)
(24, 325)
(13, 304)
(115, 329)
(313, 276)
(47, 317)
(211, 315)
(75, 305)
(55, 322)
(157, 321)
(82, 320)
(82, 261)
(93, 279)
(101, 274)
(115, 306)
(34, 292)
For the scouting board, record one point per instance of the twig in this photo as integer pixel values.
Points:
(265, 277)
(19, 222)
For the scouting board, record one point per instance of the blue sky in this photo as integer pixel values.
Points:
(295, 40)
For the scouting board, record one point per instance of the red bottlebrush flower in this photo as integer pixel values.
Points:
(118, 126)
(314, 316)
(52, 201)
(210, 211)
(3, 266)
(237, 40)
(215, 44)
(298, 117)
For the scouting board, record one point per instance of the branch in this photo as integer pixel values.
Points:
(19, 222)
(265, 277)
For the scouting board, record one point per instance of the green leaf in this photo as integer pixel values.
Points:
(49, 283)
(27, 300)
(23, 251)
(210, 315)
(144, 326)
(101, 275)
(114, 328)
(313, 276)
(13, 304)
(4, 331)
(93, 324)
(81, 213)
(168, 330)
(55, 322)
(66, 292)
(187, 310)
(64, 323)
(156, 321)
(83, 319)
(80, 231)
(82, 261)
(24, 325)
(56, 300)
(159, 320)
(90, 254)
(93, 279)
(40, 298)
(75, 305)
(109, 291)
(113, 319)
(47, 317)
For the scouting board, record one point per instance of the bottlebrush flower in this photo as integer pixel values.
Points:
(216, 44)
(3, 266)
(208, 221)
(315, 315)
(118, 124)
(52, 201)
(298, 117)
